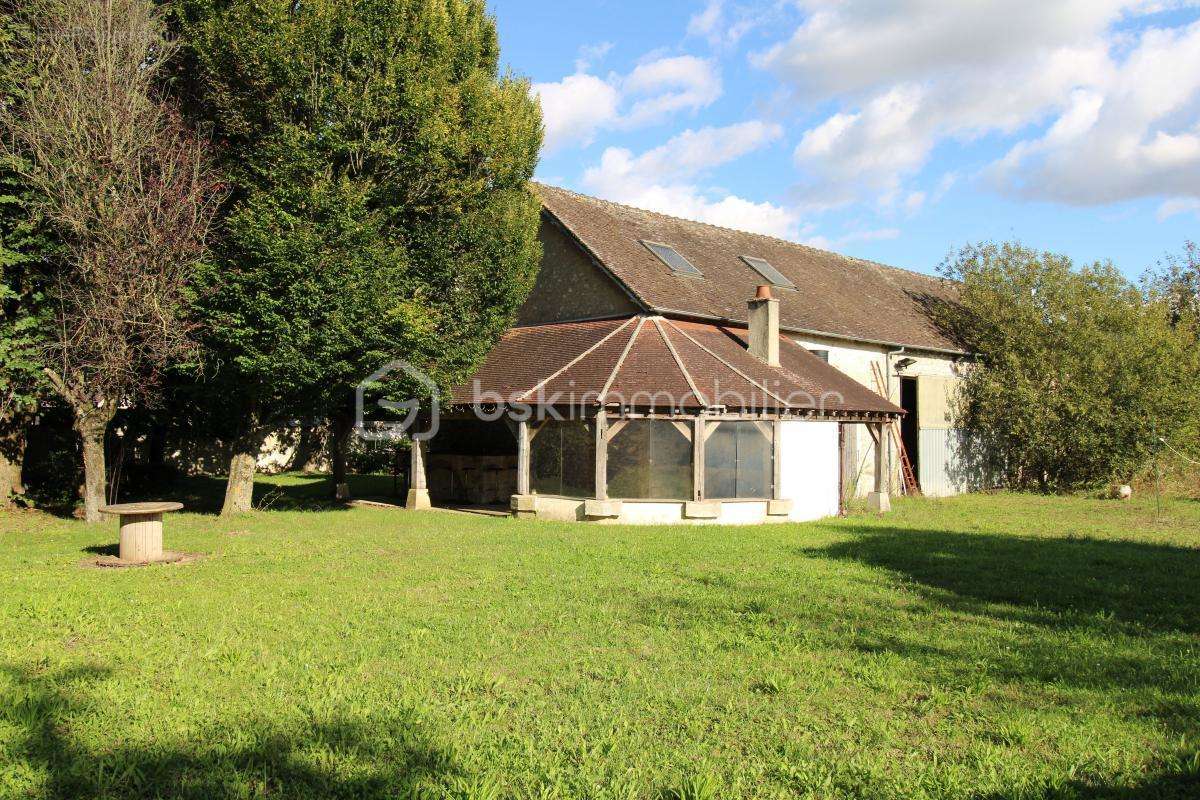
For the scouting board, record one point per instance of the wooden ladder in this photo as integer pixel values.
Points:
(911, 486)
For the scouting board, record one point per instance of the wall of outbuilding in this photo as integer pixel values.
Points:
(808, 468)
(937, 375)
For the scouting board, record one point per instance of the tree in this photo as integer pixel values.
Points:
(23, 250)
(1077, 372)
(381, 208)
(1177, 282)
(127, 192)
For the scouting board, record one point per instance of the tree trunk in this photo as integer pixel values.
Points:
(339, 440)
(12, 456)
(91, 423)
(239, 489)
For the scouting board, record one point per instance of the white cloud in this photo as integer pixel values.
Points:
(858, 46)
(1138, 135)
(873, 147)
(577, 107)
(721, 27)
(691, 153)
(705, 22)
(589, 54)
(664, 179)
(1178, 205)
(911, 74)
(667, 85)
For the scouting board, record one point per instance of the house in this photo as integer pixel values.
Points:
(664, 370)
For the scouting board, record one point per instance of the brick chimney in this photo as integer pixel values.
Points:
(764, 326)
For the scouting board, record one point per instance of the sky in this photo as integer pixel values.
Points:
(894, 130)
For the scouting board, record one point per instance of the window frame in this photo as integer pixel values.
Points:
(772, 450)
(694, 272)
(556, 427)
(626, 424)
(749, 261)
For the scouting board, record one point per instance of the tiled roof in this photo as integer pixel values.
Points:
(654, 362)
(834, 295)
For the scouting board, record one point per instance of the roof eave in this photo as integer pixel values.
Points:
(741, 323)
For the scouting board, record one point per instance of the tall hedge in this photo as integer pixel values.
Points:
(1079, 375)
(379, 163)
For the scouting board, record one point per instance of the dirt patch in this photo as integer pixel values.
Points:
(114, 562)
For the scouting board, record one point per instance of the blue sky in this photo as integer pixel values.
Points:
(894, 130)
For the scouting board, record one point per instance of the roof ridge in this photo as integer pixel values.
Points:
(658, 323)
(768, 237)
(587, 352)
(612, 376)
(726, 362)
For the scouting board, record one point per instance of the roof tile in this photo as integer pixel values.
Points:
(834, 294)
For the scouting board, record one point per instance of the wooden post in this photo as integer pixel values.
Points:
(522, 457)
(418, 490)
(698, 431)
(880, 455)
(880, 500)
(601, 454)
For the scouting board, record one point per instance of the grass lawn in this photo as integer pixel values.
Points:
(984, 647)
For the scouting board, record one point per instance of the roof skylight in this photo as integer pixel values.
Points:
(764, 268)
(671, 257)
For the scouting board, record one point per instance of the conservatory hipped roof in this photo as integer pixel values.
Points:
(659, 363)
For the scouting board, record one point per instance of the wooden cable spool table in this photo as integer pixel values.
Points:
(141, 529)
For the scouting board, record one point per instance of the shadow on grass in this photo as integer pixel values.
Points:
(1114, 618)
(204, 494)
(1144, 587)
(336, 758)
(1176, 777)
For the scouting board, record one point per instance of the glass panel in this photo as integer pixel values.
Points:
(562, 459)
(671, 458)
(672, 258)
(545, 461)
(578, 459)
(720, 461)
(629, 460)
(739, 461)
(754, 461)
(649, 459)
(764, 268)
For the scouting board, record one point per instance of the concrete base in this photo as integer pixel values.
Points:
(418, 500)
(342, 491)
(655, 512)
(879, 502)
(701, 509)
(524, 506)
(601, 509)
(779, 508)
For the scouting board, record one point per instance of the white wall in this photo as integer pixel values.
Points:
(855, 360)
(808, 468)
